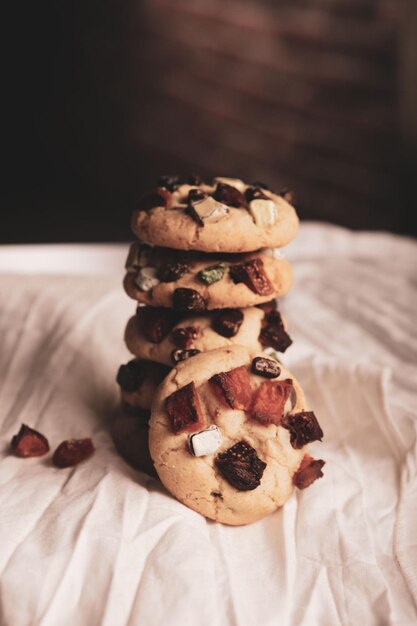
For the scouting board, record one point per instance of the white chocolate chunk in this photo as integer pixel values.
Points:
(264, 212)
(138, 256)
(146, 278)
(209, 210)
(206, 441)
(233, 182)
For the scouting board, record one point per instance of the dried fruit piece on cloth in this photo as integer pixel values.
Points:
(29, 442)
(304, 428)
(241, 466)
(273, 333)
(269, 400)
(308, 472)
(156, 322)
(253, 275)
(72, 451)
(233, 388)
(184, 410)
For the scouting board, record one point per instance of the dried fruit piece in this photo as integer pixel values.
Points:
(205, 442)
(273, 333)
(72, 451)
(156, 322)
(146, 278)
(29, 442)
(160, 197)
(252, 273)
(269, 306)
(233, 388)
(241, 466)
(269, 400)
(184, 337)
(263, 211)
(265, 367)
(212, 274)
(182, 355)
(168, 181)
(304, 428)
(173, 271)
(131, 376)
(288, 195)
(184, 410)
(184, 299)
(229, 195)
(308, 472)
(227, 322)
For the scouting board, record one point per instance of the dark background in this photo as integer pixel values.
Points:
(103, 96)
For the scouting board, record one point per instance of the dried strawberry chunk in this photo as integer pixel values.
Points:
(29, 442)
(304, 428)
(184, 299)
(229, 195)
(273, 333)
(184, 410)
(241, 466)
(184, 337)
(269, 400)
(252, 273)
(233, 387)
(160, 197)
(72, 451)
(308, 472)
(155, 322)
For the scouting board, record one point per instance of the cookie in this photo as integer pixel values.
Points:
(138, 380)
(164, 336)
(227, 216)
(229, 433)
(130, 436)
(194, 281)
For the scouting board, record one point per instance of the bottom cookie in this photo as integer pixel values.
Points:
(130, 435)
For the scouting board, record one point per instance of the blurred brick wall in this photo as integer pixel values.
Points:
(300, 93)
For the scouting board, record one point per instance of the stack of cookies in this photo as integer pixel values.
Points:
(228, 424)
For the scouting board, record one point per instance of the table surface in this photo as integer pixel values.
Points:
(103, 544)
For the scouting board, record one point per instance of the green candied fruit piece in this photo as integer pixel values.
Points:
(212, 274)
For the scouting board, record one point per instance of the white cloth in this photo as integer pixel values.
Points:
(101, 544)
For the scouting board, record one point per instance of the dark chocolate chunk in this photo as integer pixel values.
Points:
(171, 182)
(268, 368)
(241, 466)
(184, 299)
(255, 193)
(269, 400)
(308, 472)
(252, 273)
(182, 355)
(184, 410)
(304, 428)
(159, 197)
(288, 195)
(172, 271)
(226, 194)
(131, 376)
(273, 333)
(269, 306)
(227, 322)
(29, 442)
(156, 322)
(184, 337)
(233, 387)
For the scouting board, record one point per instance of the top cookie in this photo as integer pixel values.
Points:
(227, 216)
